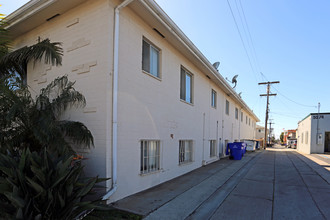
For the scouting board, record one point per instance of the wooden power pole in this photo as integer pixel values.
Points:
(270, 130)
(267, 105)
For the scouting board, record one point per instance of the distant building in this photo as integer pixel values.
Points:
(313, 133)
(260, 132)
(289, 135)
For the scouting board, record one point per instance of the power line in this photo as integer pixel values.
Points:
(286, 115)
(250, 37)
(245, 33)
(240, 35)
(310, 106)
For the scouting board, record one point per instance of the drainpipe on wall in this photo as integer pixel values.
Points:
(115, 98)
(203, 161)
(239, 124)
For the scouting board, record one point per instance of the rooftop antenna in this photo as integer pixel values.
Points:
(234, 81)
(216, 65)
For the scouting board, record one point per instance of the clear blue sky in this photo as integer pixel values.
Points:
(291, 44)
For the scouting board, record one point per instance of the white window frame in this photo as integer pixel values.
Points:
(186, 151)
(149, 163)
(213, 98)
(184, 90)
(227, 107)
(242, 116)
(236, 113)
(213, 148)
(147, 59)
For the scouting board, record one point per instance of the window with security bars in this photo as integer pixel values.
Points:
(213, 149)
(185, 151)
(150, 156)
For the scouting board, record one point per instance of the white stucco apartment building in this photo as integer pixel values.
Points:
(157, 108)
(313, 133)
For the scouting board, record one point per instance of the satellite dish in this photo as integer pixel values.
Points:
(234, 81)
(216, 65)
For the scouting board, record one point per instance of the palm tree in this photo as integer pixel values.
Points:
(16, 61)
(35, 123)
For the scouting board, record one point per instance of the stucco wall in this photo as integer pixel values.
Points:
(324, 126)
(151, 109)
(148, 108)
(86, 36)
(304, 127)
(309, 125)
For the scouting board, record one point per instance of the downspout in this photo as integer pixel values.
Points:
(217, 139)
(115, 98)
(239, 124)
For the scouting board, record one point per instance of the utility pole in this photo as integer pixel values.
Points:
(267, 105)
(270, 129)
(317, 126)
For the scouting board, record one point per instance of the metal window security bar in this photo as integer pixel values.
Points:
(185, 151)
(150, 156)
(213, 152)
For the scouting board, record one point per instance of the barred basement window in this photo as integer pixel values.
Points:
(213, 148)
(150, 156)
(185, 151)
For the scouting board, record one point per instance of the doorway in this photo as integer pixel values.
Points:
(327, 142)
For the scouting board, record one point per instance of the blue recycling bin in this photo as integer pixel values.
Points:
(243, 145)
(235, 150)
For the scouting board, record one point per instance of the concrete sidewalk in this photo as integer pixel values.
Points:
(271, 184)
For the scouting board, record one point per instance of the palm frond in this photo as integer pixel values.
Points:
(4, 39)
(15, 61)
(59, 95)
(77, 132)
(35, 124)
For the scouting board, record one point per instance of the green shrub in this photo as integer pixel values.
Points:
(37, 185)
